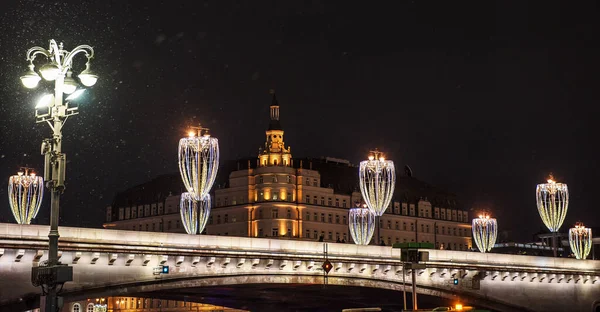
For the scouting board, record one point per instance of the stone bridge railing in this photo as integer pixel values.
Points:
(111, 262)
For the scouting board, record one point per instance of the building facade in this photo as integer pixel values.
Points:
(275, 195)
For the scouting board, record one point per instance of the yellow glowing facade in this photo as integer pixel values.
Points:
(275, 195)
(274, 152)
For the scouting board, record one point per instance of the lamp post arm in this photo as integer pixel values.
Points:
(88, 50)
(33, 52)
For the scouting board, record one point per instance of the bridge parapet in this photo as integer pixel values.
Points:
(124, 262)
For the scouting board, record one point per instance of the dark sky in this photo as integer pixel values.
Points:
(481, 99)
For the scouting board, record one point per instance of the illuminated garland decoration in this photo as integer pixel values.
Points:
(25, 193)
(552, 203)
(194, 213)
(580, 239)
(362, 225)
(198, 163)
(485, 231)
(377, 178)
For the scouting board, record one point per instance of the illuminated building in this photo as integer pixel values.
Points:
(275, 195)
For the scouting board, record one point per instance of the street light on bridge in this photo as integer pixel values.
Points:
(55, 111)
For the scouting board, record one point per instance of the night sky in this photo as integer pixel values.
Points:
(483, 100)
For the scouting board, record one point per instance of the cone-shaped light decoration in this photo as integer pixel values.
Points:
(198, 162)
(25, 193)
(362, 225)
(580, 239)
(552, 202)
(377, 178)
(194, 213)
(485, 231)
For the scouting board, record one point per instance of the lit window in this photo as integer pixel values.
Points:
(76, 307)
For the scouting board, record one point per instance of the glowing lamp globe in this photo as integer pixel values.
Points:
(87, 77)
(31, 79)
(49, 71)
(25, 193)
(70, 85)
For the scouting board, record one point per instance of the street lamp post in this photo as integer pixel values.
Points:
(55, 111)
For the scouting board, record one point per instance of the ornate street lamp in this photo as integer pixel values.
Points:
(361, 222)
(52, 109)
(377, 178)
(198, 165)
(194, 213)
(485, 231)
(580, 239)
(552, 203)
(25, 193)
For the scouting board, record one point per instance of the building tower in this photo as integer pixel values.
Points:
(274, 153)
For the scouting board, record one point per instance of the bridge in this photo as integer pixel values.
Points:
(123, 263)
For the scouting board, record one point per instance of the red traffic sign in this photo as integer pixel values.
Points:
(327, 266)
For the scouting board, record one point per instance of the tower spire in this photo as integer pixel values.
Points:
(274, 107)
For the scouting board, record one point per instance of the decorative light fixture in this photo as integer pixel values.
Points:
(485, 231)
(194, 213)
(552, 203)
(25, 193)
(361, 224)
(30, 79)
(198, 165)
(580, 239)
(377, 178)
(87, 77)
(54, 110)
(50, 71)
(70, 85)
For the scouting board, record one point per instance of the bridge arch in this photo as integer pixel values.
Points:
(168, 287)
